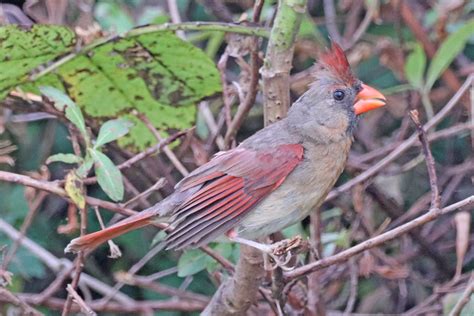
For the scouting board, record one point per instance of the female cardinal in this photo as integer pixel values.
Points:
(273, 179)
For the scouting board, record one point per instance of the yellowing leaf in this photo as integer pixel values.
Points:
(75, 190)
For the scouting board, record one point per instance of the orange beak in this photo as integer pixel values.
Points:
(368, 99)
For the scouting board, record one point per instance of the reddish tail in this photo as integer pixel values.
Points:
(91, 241)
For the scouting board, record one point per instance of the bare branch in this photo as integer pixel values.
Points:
(343, 256)
(430, 163)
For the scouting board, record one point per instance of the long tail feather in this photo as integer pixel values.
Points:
(93, 240)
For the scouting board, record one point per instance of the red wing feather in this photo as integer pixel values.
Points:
(231, 185)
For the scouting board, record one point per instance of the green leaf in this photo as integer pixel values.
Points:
(449, 49)
(111, 130)
(66, 158)
(156, 74)
(59, 98)
(22, 49)
(191, 262)
(109, 176)
(75, 189)
(415, 66)
(63, 102)
(85, 167)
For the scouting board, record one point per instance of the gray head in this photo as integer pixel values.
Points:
(330, 108)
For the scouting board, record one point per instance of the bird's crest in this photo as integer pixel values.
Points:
(334, 62)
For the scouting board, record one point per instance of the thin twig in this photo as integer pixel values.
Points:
(78, 299)
(343, 256)
(79, 264)
(331, 25)
(465, 297)
(354, 280)
(251, 95)
(114, 249)
(8, 297)
(430, 163)
(134, 308)
(175, 17)
(185, 26)
(158, 185)
(169, 153)
(24, 227)
(57, 265)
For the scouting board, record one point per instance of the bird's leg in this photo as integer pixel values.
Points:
(280, 251)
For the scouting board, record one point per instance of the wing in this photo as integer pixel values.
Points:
(230, 185)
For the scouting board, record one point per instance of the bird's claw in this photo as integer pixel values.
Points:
(281, 253)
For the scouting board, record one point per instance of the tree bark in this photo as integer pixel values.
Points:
(278, 60)
(238, 293)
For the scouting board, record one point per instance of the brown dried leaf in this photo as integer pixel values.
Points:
(366, 264)
(73, 224)
(392, 272)
(462, 221)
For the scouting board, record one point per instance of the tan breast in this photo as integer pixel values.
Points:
(302, 191)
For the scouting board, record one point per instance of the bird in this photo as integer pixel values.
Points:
(273, 179)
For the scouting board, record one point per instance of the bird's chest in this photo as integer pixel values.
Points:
(303, 190)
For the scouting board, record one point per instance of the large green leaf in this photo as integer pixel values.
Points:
(449, 49)
(156, 74)
(23, 49)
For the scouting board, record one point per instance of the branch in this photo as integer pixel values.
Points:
(430, 163)
(9, 297)
(131, 309)
(278, 60)
(185, 26)
(249, 101)
(343, 256)
(465, 297)
(78, 300)
(57, 265)
(54, 188)
(235, 296)
(149, 151)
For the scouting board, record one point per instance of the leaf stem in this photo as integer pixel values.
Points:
(425, 100)
(185, 26)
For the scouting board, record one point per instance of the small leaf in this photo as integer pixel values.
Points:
(62, 102)
(59, 98)
(159, 237)
(109, 176)
(75, 190)
(415, 66)
(74, 114)
(112, 130)
(191, 262)
(66, 158)
(449, 49)
(84, 168)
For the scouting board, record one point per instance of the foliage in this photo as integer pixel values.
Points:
(156, 74)
(96, 88)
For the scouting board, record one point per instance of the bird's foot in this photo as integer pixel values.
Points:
(281, 253)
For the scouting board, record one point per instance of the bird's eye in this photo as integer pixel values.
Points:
(338, 95)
